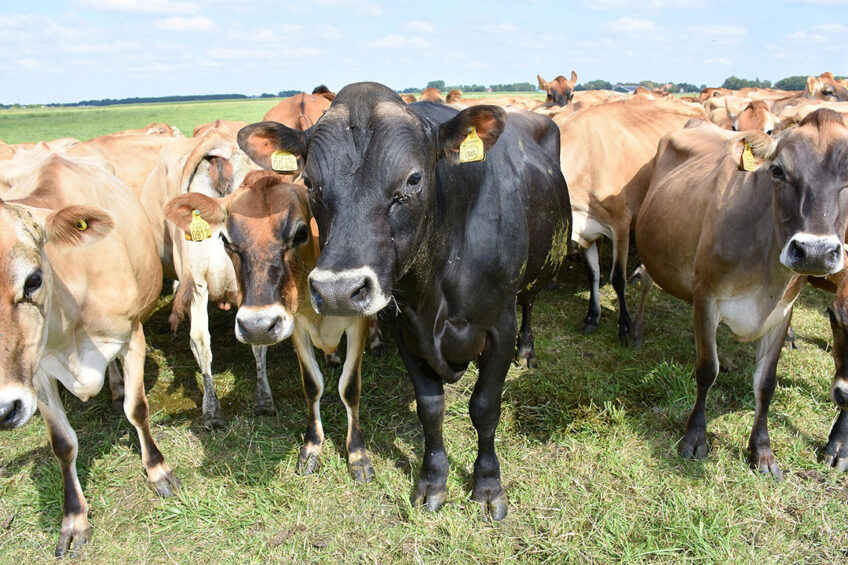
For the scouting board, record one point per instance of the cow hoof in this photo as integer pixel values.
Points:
(214, 422)
(492, 504)
(694, 448)
(431, 495)
(527, 361)
(836, 455)
(767, 465)
(167, 486)
(264, 409)
(73, 541)
(307, 464)
(362, 471)
(588, 327)
(624, 338)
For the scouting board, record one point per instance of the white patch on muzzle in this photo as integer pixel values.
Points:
(12, 393)
(263, 325)
(378, 299)
(814, 239)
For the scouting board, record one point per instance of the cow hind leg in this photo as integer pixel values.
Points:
(646, 284)
(116, 386)
(835, 452)
(485, 410)
(159, 475)
(263, 401)
(350, 386)
(593, 272)
(313, 388)
(76, 529)
(694, 443)
(768, 352)
(526, 352)
(621, 248)
(201, 347)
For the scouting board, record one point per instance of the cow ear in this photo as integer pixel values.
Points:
(573, 77)
(761, 147)
(812, 85)
(543, 84)
(180, 209)
(74, 226)
(260, 140)
(488, 121)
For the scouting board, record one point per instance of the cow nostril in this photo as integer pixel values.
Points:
(316, 296)
(838, 396)
(275, 326)
(9, 412)
(361, 292)
(241, 328)
(798, 252)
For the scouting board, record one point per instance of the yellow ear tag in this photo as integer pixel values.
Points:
(199, 228)
(748, 163)
(81, 225)
(471, 149)
(283, 162)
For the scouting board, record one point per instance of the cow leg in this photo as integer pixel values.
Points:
(485, 410)
(768, 352)
(159, 475)
(526, 354)
(375, 337)
(313, 388)
(836, 450)
(263, 401)
(350, 387)
(76, 530)
(694, 444)
(621, 247)
(593, 271)
(116, 386)
(646, 283)
(791, 342)
(201, 347)
(432, 487)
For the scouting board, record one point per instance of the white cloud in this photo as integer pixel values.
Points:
(718, 31)
(419, 26)
(232, 54)
(718, 61)
(395, 41)
(29, 63)
(630, 25)
(143, 6)
(364, 7)
(807, 36)
(833, 28)
(176, 23)
(501, 28)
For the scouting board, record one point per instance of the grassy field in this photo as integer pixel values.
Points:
(587, 445)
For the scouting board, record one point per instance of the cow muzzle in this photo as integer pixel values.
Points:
(810, 254)
(352, 292)
(263, 325)
(17, 405)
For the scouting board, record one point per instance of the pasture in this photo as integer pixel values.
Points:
(587, 443)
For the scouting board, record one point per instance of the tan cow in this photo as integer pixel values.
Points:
(431, 95)
(559, 91)
(155, 128)
(231, 128)
(6, 151)
(738, 245)
(130, 157)
(79, 275)
(300, 111)
(606, 157)
(273, 241)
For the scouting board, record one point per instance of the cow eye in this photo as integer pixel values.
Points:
(32, 284)
(778, 172)
(227, 245)
(300, 236)
(769, 132)
(413, 179)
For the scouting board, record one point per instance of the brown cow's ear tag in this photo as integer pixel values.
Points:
(199, 228)
(81, 225)
(471, 149)
(283, 162)
(748, 163)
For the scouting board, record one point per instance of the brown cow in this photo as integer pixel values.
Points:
(700, 207)
(231, 128)
(755, 117)
(273, 242)
(559, 91)
(408, 98)
(300, 111)
(606, 157)
(79, 276)
(431, 95)
(322, 90)
(156, 128)
(130, 157)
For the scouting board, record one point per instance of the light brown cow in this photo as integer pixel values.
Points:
(738, 245)
(559, 91)
(273, 242)
(231, 128)
(79, 275)
(300, 111)
(408, 98)
(156, 128)
(130, 157)
(6, 151)
(606, 157)
(431, 95)
(826, 87)
(211, 164)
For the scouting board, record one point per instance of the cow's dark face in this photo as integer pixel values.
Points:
(809, 172)
(371, 173)
(559, 91)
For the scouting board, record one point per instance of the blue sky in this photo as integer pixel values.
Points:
(54, 51)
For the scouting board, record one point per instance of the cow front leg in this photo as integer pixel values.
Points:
(694, 444)
(526, 351)
(593, 272)
(485, 410)
(159, 475)
(263, 401)
(201, 347)
(768, 352)
(116, 386)
(313, 388)
(432, 487)
(76, 530)
(836, 450)
(621, 247)
(350, 386)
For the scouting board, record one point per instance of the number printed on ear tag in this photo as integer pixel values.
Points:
(283, 162)
(199, 228)
(471, 149)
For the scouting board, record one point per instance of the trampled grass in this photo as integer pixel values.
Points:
(587, 445)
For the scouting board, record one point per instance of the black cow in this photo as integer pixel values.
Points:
(451, 244)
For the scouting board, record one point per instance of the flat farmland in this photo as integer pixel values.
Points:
(587, 444)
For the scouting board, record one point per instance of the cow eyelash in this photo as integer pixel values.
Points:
(32, 284)
(227, 245)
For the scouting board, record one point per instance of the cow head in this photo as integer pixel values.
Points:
(560, 91)
(371, 177)
(826, 87)
(26, 290)
(755, 117)
(265, 227)
(807, 168)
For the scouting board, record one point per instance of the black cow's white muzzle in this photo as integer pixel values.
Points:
(352, 292)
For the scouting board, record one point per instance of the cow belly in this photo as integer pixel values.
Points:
(325, 332)
(586, 228)
(82, 369)
(748, 319)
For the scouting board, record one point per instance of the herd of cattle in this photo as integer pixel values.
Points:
(447, 213)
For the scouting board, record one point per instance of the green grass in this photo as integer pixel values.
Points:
(587, 444)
